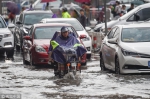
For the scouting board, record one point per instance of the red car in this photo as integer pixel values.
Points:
(36, 43)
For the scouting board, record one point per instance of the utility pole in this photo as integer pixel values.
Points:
(105, 17)
(1, 7)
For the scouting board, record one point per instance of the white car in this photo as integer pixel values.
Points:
(125, 49)
(6, 39)
(138, 14)
(78, 27)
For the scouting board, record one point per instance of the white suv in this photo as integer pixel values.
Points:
(6, 39)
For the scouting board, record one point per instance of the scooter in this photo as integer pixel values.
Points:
(72, 67)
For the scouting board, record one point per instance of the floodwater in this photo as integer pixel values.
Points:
(39, 82)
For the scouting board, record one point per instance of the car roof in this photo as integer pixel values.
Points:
(58, 19)
(51, 24)
(135, 25)
(36, 11)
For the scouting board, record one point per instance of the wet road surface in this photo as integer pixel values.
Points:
(39, 82)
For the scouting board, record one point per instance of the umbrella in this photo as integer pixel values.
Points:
(47, 0)
(12, 7)
(81, 1)
(111, 3)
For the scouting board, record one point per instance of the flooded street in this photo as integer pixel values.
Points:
(39, 82)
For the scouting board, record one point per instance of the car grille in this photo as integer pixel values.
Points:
(135, 67)
(1, 36)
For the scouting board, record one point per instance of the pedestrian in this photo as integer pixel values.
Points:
(131, 7)
(31, 6)
(65, 13)
(47, 6)
(23, 8)
(74, 14)
(100, 17)
(123, 10)
(118, 8)
(82, 18)
(11, 16)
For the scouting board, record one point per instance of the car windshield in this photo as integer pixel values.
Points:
(136, 35)
(77, 26)
(30, 19)
(48, 32)
(2, 24)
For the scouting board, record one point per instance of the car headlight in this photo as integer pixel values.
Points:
(40, 49)
(128, 53)
(7, 35)
(86, 39)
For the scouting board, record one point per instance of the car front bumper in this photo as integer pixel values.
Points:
(130, 64)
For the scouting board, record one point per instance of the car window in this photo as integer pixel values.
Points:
(2, 23)
(136, 34)
(48, 32)
(116, 33)
(111, 33)
(76, 25)
(143, 14)
(30, 19)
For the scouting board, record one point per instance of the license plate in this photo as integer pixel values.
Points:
(149, 64)
(73, 64)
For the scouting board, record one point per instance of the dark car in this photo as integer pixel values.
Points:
(26, 20)
(36, 43)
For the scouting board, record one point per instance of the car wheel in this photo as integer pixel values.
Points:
(24, 61)
(102, 65)
(10, 53)
(2, 53)
(88, 56)
(117, 66)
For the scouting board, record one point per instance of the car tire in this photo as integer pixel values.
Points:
(117, 66)
(88, 56)
(10, 53)
(2, 53)
(24, 61)
(102, 65)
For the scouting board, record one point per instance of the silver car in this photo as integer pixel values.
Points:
(126, 49)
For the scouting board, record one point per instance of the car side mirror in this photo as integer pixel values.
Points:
(11, 25)
(82, 36)
(112, 41)
(87, 28)
(18, 23)
(27, 38)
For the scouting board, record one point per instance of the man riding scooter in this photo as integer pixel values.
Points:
(61, 42)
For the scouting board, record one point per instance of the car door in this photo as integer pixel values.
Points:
(113, 48)
(106, 48)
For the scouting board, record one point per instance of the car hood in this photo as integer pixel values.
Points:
(140, 47)
(4, 31)
(111, 24)
(42, 42)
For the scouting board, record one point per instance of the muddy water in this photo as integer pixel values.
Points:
(39, 82)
